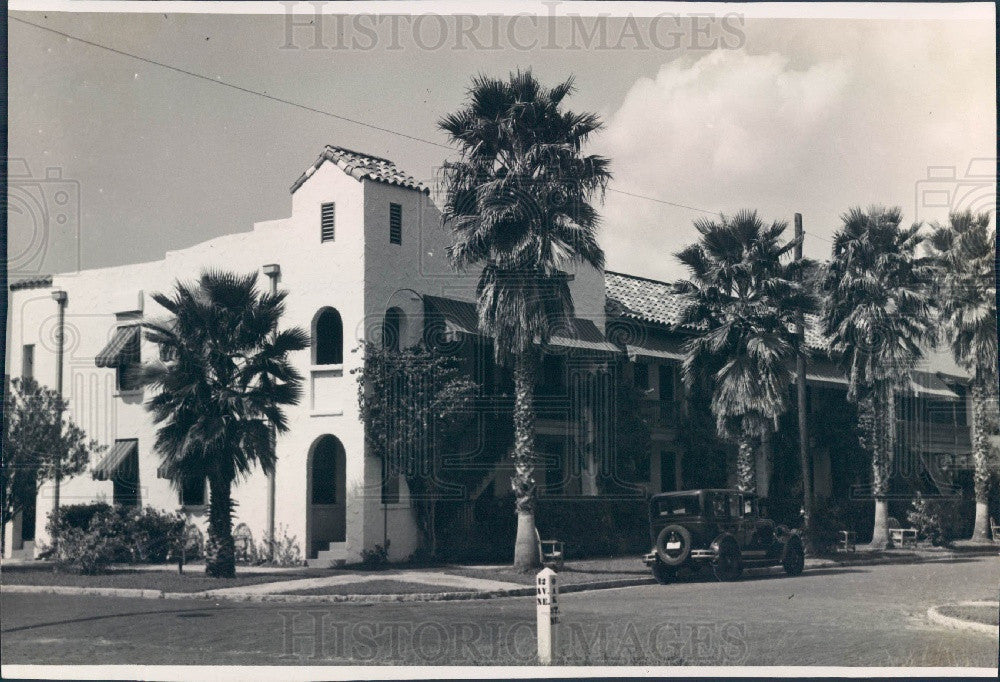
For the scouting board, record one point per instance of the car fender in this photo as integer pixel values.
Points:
(723, 539)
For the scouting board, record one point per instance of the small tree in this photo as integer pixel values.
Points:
(38, 440)
(412, 402)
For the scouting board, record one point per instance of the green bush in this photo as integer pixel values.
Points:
(937, 519)
(125, 534)
(86, 551)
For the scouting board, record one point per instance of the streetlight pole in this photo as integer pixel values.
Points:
(61, 298)
(273, 272)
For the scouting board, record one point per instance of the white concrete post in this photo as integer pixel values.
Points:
(547, 606)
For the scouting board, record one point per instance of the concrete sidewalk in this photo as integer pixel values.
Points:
(435, 578)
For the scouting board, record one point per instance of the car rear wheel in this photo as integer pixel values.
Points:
(673, 545)
(663, 574)
(795, 559)
(727, 564)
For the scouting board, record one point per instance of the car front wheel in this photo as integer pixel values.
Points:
(727, 564)
(795, 559)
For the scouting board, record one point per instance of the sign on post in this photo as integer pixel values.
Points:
(547, 612)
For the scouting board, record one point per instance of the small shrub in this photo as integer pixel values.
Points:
(375, 558)
(936, 519)
(91, 550)
(286, 551)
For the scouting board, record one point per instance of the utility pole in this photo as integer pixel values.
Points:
(800, 385)
(60, 297)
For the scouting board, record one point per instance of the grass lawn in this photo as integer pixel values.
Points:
(573, 573)
(386, 586)
(192, 580)
(977, 614)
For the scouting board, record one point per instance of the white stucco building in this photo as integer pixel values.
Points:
(363, 248)
(362, 239)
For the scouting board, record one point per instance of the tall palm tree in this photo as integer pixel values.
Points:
(517, 201)
(223, 379)
(743, 296)
(878, 317)
(966, 249)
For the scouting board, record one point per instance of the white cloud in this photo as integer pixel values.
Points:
(788, 127)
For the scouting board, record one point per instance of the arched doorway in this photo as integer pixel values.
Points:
(327, 494)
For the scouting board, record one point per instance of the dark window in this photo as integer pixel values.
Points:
(328, 338)
(28, 361)
(553, 374)
(127, 370)
(667, 382)
(126, 481)
(327, 453)
(327, 222)
(640, 376)
(395, 224)
(390, 483)
(680, 505)
(193, 491)
(668, 471)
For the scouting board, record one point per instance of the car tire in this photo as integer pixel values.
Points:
(795, 557)
(728, 565)
(663, 574)
(673, 557)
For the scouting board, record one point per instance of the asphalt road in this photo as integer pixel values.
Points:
(862, 616)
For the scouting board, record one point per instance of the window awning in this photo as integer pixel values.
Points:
(824, 374)
(121, 454)
(121, 345)
(928, 385)
(456, 316)
(656, 347)
(582, 335)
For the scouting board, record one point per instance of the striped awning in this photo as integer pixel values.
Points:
(580, 334)
(928, 385)
(122, 453)
(656, 347)
(455, 316)
(121, 345)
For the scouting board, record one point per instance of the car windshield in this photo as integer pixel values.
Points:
(679, 505)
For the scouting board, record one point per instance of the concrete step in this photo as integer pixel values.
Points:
(334, 555)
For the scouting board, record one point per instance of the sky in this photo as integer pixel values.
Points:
(814, 116)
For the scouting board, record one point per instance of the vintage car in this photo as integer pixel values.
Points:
(719, 528)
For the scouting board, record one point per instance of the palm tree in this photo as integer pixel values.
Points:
(966, 249)
(518, 203)
(223, 379)
(744, 301)
(878, 316)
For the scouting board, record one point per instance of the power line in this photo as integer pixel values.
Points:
(304, 107)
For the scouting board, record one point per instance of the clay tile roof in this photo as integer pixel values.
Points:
(32, 283)
(650, 300)
(362, 167)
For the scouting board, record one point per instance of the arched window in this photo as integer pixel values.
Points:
(392, 329)
(328, 338)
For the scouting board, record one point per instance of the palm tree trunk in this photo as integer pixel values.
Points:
(881, 427)
(981, 400)
(746, 478)
(220, 552)
(523, 480)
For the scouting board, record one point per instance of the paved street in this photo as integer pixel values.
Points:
(870, 616)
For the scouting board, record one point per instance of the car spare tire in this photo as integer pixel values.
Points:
(673, 545)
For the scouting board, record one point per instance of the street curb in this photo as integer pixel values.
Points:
(939, 618)
(831, 563)
(317, 598)
(76, 591)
